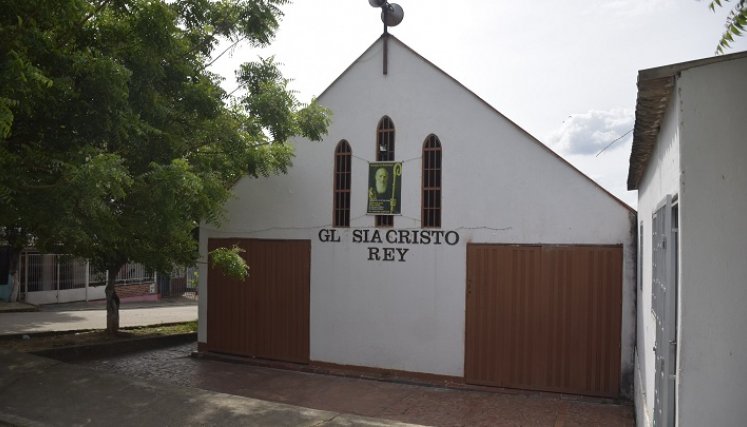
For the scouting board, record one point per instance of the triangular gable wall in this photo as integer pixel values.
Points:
(393, 39)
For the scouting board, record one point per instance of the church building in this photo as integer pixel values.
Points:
(427, 236)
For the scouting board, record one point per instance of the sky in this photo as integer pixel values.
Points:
(563, 70)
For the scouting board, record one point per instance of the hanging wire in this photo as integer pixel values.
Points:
(613, 141)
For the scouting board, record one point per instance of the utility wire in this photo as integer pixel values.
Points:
(613, 141)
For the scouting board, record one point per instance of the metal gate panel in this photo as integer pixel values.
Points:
(544, 317)
(584, 312)
(267, 315)
(495, 353)
(663, 305)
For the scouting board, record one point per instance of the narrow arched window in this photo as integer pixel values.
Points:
(384, 153)
(431, 203)
(343, 163)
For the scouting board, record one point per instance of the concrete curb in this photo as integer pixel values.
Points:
(19, 335)
(110, 349)
(27, 308)
(125, 304)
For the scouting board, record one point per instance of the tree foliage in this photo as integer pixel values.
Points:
(115, 139)
(230, 262)
(735, 22)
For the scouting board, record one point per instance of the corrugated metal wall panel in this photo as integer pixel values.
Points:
(495, 352)
(266, 316)
(544, 317)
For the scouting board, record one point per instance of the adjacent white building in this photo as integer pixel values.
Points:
(688, 165)
(503, 265)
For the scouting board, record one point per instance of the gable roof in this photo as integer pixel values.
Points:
(655, 86)
(479, 99)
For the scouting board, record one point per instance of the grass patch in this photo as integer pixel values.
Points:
(171, 329)
(37, 342)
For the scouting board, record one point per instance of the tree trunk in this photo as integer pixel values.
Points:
(112, 303)
(15, 276)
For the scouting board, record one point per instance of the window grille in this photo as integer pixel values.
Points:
(343, 164)
(431, 203)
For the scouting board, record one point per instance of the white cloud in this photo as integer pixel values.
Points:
(583, 135)
(589, 133)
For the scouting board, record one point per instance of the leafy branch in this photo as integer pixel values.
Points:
(735, 22)
(230, 262)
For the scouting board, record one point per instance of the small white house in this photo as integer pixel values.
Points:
(688, 165)
(427, 235)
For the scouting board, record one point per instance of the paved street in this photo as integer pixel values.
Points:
(48, 321)
(368, 398)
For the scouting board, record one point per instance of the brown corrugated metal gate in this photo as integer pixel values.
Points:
(267, 315)
(544, 317)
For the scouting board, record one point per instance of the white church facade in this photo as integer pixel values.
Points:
(429, 235)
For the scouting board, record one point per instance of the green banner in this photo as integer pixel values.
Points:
(384, 188)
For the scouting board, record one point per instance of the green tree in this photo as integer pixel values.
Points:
(115, 139)
(735, 22)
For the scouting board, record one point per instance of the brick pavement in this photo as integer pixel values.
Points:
(393, 401)
(36, 391)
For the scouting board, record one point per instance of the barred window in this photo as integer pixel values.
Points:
(431, 203)
(385, 152)
(343, 164)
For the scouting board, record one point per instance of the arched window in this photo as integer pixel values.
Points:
(431, 203)
(343, 163)
(384, 153)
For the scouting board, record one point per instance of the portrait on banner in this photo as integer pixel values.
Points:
(384, 188)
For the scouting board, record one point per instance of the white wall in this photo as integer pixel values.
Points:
(66, 295)
(699, 157)
(713, 287)
(660, 179)
(499, 185)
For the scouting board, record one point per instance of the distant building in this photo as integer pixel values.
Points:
(502, 265)
(688, 165)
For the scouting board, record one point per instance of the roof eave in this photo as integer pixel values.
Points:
(655, 86)
(653, 98)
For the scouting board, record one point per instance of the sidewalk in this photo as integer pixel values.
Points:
(125, 305)
(92, 315)
(35, 391)
(16, 307)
